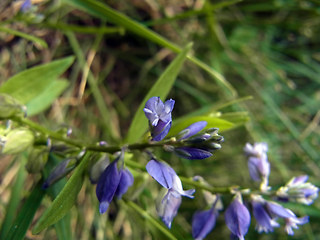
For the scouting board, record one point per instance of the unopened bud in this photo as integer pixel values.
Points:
(98, 168)
(37, 160)
(61, 170)
(10, 107)
(17, 140)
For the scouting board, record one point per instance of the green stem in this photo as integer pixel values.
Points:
(150, 219)
(92, 147)
(136, 146)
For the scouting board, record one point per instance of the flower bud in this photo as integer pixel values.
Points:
(10, 107)
(98, 168)
(17, 140)
(61, 170)
(37, 160)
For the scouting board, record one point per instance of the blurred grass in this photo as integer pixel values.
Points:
(266, 49)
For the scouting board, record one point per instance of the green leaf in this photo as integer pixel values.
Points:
(15, 198)
(29, 37)
(30, 83)
(160, 89)
(213, 122)
(65, 200)
(26, 213)
(46, 98)
(63, 226)
(102, 11)
(151, 220)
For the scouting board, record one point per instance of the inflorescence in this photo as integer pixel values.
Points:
(197, 142)
(194, 142)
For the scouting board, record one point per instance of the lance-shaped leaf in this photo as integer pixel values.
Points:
(65, 200)
(30, 85)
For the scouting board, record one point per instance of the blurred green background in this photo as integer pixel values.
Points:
(267, 51)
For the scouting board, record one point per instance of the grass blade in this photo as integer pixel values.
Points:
(14, 200)
(103, 11)
(31, 38)
(22, 222)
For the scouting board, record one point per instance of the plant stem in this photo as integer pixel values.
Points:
(92, 147)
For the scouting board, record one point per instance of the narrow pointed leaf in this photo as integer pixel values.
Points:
(160, 89)
(14, 201)
(63, 226)
(23, 220)
(65, 200)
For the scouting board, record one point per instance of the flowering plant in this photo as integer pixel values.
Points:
(121, 156)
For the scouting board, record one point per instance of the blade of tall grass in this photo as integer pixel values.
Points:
(103, 11)
(26, 213)
(272, 105)
(109, 126)
(150, 219)
(192, 13)
(14, 200)
(29, 37)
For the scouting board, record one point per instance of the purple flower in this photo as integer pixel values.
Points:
(159, 116)
(26, 5)
(192, 130)
(276, 210)
(61, 170)
(258, 164)
(237, 218)
(113, 181)
(198, 145)
(265, 222)
(168, 207)
(192, 153)
(204, 221)
(257, 149)
(299, 190)
(167, 177)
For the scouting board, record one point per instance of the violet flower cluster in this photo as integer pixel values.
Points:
(197, 142)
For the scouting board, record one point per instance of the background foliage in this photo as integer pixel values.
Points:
(266, 49)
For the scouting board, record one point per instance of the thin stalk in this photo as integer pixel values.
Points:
(150, 219)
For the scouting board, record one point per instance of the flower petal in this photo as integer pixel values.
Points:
(161, 130)
(192, 153)
(193, 129)
(168, 208)
(177, 186)
(107, 185)
(237, 218)
(203, 222)
(264, 221)
(279, 211)
(125, 182)
(161, 172)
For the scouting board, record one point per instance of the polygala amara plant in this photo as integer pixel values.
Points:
(144, 173)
